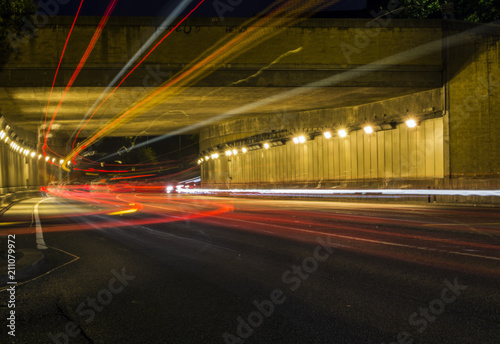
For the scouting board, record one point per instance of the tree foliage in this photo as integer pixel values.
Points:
(14, 14)
(143, 154)
(478, 11)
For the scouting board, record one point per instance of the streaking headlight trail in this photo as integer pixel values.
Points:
(354, 192)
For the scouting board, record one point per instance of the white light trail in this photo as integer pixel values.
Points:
(163, 26)
(380, 65)
(360, 192)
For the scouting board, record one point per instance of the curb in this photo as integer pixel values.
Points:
(8, 206)
(6, 199)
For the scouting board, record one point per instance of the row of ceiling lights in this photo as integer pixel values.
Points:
(368, 129)
(18, 148)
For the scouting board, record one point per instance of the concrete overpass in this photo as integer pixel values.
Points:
(434, 87)
(312, 50)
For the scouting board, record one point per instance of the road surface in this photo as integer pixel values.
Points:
(156, 268)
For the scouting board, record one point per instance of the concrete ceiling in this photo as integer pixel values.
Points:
(25, 106)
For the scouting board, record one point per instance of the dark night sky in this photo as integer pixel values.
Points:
(247, 8)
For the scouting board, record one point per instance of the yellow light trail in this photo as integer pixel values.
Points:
(272, 21)
(128, 211)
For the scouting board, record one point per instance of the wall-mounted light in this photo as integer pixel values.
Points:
(368, 129)
(266, 145)
(244, 150)
(235, 151)
(342, 133)
(229, 153)
(327, 135)
(411, 123)
(299, 139)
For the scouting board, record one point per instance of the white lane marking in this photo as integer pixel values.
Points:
(40, 242)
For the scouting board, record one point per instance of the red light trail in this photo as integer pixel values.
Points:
(257, 30)
(84, 58)
(59, 64)
(375, 230)
(154, 209)
(133, 69)
(130, 177)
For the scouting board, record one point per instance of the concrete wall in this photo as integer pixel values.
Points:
(417, 105)
(387, 158)
(474, 105)
(458, 149)
(324, 41)
(401, 153)
(17, 172)
(331, 44)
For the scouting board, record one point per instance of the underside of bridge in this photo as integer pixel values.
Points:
(192, 106)
(296, 57)
(316, 76)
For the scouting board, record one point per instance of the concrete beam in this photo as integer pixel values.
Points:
(413, 76)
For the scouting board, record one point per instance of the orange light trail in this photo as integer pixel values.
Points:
(112, 204)
(382, 231)
(256, 31)
(133, 69)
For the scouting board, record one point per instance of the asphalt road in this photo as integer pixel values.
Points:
(156, 268)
